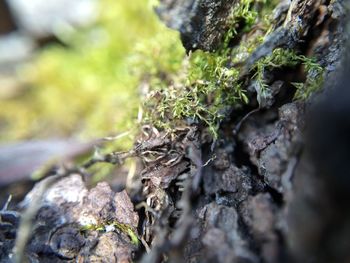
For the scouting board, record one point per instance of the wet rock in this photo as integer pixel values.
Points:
(201, 22)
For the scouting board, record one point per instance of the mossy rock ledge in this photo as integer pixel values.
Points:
(228, 164)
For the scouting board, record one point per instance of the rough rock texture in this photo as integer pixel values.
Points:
(324, 167)
(264, 191)
(201, 22)
(273, 148)
(259, 201)
(66, 209)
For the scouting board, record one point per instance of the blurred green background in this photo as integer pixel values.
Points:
(88, 84)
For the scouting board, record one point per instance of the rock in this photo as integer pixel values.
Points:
(66, 242)
(124, 209)
(271, 150)
(296, 26)
(322, 180)
(260, 217)
(111, 248)
(222, 239)
(222, 159)
(72, 223)
(234, 180)
(201, 22)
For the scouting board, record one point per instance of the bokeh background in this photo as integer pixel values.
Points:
(72, 72)
(74, 69)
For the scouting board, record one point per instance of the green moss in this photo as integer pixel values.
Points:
(314, 79)
(200, 93)
(94, 87)
(207, 85)
(287, 58)
(242, 13)
(91, 88)
(124, 228)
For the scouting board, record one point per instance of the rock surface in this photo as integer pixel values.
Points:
(67, 223)
(258, 193)
(201, 22)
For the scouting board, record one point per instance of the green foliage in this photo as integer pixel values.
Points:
(279, 58)
(258, 23)
(124, 228)
(94, 87)
(91, 88)
(313, 81)
(245, 13)
(201, 93)
(206, 85)
(288, 58)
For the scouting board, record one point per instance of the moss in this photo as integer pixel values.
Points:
(91, 88)
(314, 79)
(200, 93)
(124, 228)
(94, 87)
(207, 84)
(287, 58)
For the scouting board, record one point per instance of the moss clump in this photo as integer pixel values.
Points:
(288, 58)
(94, 87)
(207, 84)
(258, 23)
(201, 93)
(314, 79)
